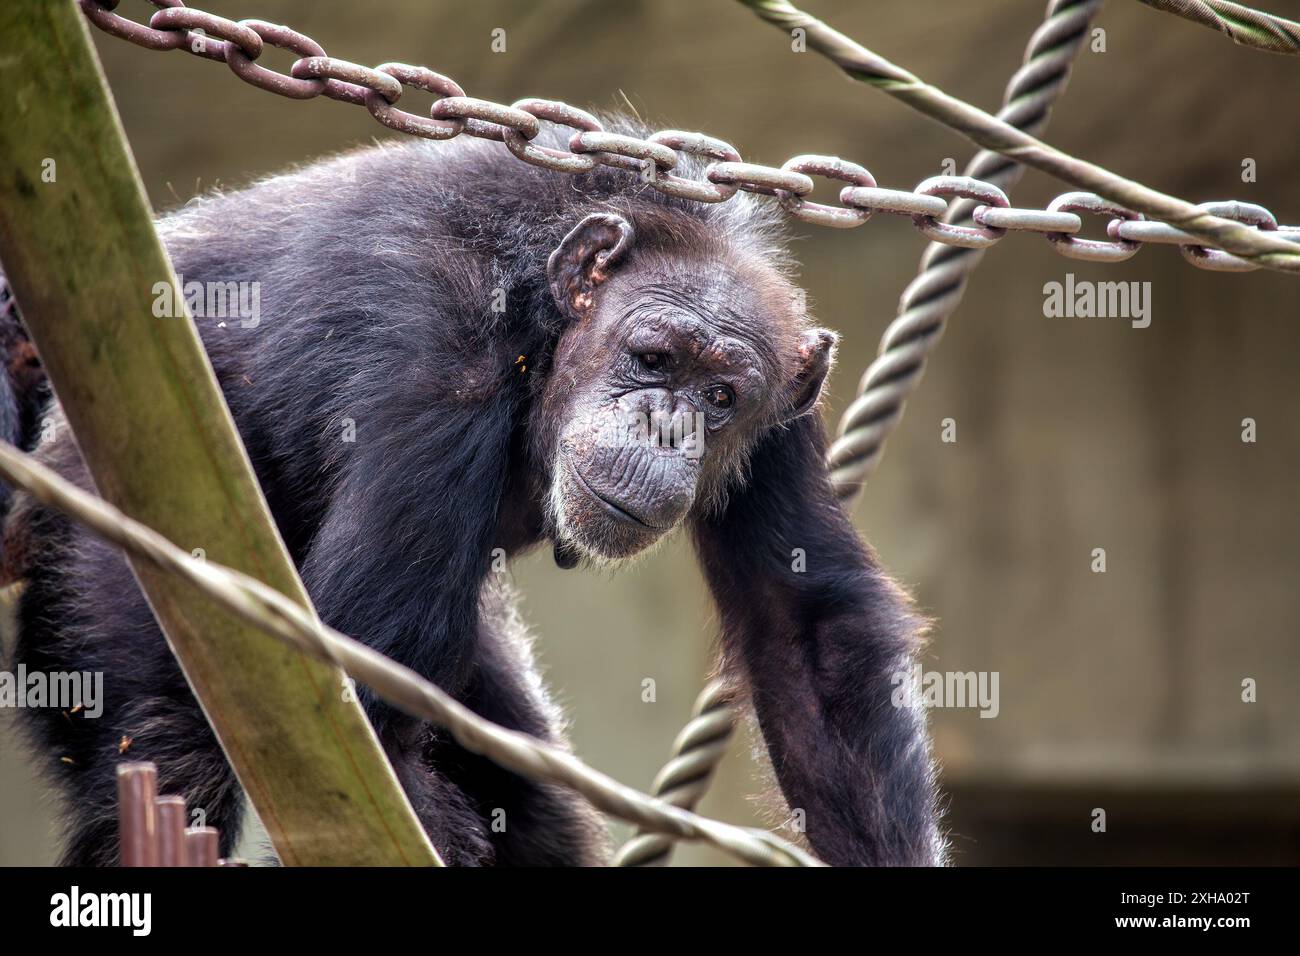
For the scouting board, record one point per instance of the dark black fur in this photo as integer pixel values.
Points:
(375, 269)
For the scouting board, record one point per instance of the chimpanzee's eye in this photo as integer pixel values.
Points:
(652, 360)
(719, 396)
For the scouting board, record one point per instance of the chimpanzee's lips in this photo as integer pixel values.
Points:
(617, 511)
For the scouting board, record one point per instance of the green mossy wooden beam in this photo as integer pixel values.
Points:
(78, 244)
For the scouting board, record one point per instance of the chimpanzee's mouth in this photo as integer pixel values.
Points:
(615, 510)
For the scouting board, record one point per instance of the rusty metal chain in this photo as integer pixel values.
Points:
(241, 42)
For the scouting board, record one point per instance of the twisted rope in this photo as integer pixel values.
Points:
(1243, 25)
(923, 313)
(1264, 248)
(685, 778)
(934, 294)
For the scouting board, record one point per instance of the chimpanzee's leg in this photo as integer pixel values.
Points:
(475, 812)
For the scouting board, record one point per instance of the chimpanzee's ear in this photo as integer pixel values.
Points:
(585, 259)
(816, 355)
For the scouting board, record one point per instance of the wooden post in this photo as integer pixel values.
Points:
(171, 830)
(78, 245)
(201, 847)
(137, 813)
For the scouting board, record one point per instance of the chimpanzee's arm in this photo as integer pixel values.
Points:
(399, 562)
(818, 648)
(406, 540)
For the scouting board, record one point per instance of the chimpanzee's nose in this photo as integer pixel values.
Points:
(673, 422)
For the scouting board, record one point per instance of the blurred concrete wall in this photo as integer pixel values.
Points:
(1119, 690)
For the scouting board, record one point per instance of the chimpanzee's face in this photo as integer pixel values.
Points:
(670, 369)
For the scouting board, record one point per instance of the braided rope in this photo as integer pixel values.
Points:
(935, 293)
(685, 778)
(923, 313)
(1243, 25)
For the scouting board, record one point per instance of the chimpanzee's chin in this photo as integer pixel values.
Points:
(599, 525)
(604, 539)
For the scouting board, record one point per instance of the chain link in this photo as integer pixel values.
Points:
(1220, 261)
(950, 233)
(418, 77)
(1093, 250)
(197, 27)
(832, 167)
(556, 160)
(694, 144)
(242, 65)
(378, 89)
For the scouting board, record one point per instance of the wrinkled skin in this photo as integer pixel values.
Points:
(669, 372)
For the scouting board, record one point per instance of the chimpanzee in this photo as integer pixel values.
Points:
(457, 357)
